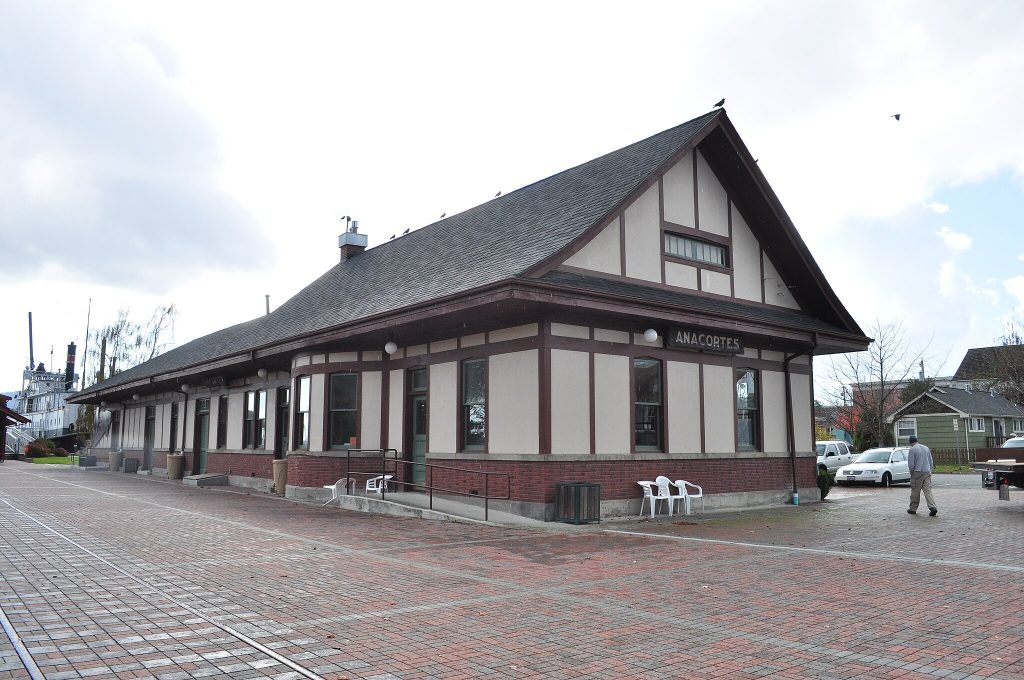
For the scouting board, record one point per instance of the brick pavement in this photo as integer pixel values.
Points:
(109, 575)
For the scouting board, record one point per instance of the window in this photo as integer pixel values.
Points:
(302, 412)
(906, 427)
(115, 430)
(748, 423)
(174, 427)
(1018, 425)
(343, 410)
(474, 404)
(254, 428)
(222, 421)
(976, 424)
(695, 249)
(843, 450)
(647, 416)
(283, 410)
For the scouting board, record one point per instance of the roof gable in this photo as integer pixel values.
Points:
(989, 363)
(965, 402)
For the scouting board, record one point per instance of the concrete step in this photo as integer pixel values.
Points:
(206, 479)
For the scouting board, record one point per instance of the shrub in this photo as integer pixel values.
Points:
(61, 451)
(826, 480)
(39, 448)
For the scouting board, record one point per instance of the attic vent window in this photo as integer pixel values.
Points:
(696, 250)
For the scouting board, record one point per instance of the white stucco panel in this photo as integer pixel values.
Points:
(316, 411)
(682, 275)
(715, 282)
(236, 413)
(719, 409)
(683, 407)
(513, 408)
(643, 237)
(746, 259)
(775, 290)
(678, 187)
(803, 432)
(396, 410)
(370, 410)
(443, 402)
(773, 407)
(612, 409)
(712, 201)
(570, 402)
(603, 253)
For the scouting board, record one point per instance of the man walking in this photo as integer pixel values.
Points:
(920, 462)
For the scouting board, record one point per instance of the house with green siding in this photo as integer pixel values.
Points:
(949, 418)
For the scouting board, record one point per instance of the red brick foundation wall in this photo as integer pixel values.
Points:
(534, 481)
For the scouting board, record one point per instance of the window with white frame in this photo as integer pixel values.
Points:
(906, 427)
(696, 249)
(1018, 425)
(976, 424)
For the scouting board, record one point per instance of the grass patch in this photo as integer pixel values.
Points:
(53, 460)
(949, 468)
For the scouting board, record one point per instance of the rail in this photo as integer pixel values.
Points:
(428, 486)
(16, 440)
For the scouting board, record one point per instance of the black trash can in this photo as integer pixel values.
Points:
(131, 465)
(577, 502)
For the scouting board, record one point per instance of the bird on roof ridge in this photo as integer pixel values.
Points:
(392, 236)
(442, 215)
(721, 103)
(405, 232)
(498, 194)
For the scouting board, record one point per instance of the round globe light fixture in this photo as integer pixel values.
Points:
(184, 387)
(651, 335)
(390, 347)
(262, 373)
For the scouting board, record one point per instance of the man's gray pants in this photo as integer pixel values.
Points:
(921, 481)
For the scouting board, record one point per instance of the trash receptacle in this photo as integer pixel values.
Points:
(280, 476)
(86, 461)
(175, 466)
(131, 465)
(577, 502)
(115, 458)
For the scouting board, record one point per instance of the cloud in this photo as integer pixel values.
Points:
(956, 285)
(1015, 287)
(104, 163)
(954, 240)
(936, 207)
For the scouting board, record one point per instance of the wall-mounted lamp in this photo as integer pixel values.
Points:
(262, 373)
(135, 397)
(390, 347)
(103, 404)
(651, 335)
(184, 387)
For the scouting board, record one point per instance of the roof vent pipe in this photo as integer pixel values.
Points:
(351, 242)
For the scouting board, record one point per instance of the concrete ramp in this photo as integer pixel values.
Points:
(206, 479)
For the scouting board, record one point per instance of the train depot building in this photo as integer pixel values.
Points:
(650, 312)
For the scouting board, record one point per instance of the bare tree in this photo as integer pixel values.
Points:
(867, 385)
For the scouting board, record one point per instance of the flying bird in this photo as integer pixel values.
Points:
(498, 194)
(721, 102)
(896, 116)
(405, 232)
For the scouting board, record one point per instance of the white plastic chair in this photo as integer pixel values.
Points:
(687, 492)
(378, 484)
(345, 485)
(653, 494)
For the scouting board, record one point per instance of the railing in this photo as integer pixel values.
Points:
(428, 486)
(996, 442)
(16, 440)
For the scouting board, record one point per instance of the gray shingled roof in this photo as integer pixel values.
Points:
(981, 363)
(495, 241)
(971, 402)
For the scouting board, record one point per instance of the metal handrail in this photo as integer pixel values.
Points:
(429, 486)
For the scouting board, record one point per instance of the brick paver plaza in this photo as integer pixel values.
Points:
(113, 575)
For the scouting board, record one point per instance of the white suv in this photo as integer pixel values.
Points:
(833, 454)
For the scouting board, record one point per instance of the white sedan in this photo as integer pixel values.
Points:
(883, 466)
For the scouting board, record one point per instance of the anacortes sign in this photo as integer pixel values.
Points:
(704, 341)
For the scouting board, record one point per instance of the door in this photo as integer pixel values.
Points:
(201, 438)
(148, 437)
(283, 409)
(900, 466)
(418, 409)
(997, 430)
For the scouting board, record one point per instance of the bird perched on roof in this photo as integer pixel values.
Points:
(405, 232)
(896, 116)
(442, 216)
(498, 194)
(392, 236)
(721, 102)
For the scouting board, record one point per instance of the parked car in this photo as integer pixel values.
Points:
(833, 454)
(885, 466)
(1014, 443)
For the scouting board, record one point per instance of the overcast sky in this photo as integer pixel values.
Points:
(202, 153)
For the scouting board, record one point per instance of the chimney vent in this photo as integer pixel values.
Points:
(351, 242)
